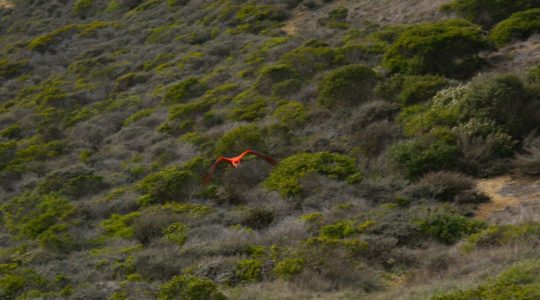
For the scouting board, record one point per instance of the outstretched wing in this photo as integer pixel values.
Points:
(267, 158)
(213, 169)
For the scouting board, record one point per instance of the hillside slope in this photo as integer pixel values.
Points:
(400, 128)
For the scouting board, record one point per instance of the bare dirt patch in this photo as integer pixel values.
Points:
(6, 4)
(382, 11)
(506, 192)
(517, 56)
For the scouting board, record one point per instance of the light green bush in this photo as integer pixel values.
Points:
(291, 114)
(347, 85)
(176, 233)
(249, 270)
(519, 26)
(286, 177)
(187, 287)
(184, 90)
(120, 225)
(289, 267)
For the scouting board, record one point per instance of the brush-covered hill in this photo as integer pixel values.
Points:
(386, 118)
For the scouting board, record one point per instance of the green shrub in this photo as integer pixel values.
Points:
(519, 26)
(255, 18)
(351, 84)
(499, 235)
(81, 7)
(14, 280)
(74, 183)
(187, 287)
(424, 154)
(308, 60)
(503, 99)
(130, 79)
(185, 90)
(533, 75)
(448, 227)
(9, 69)
(339, 230)
(291, 114)
(488, 12)
(286, 177)
(249, 270)
(169, 184)
(250, 110)
(520, 281)
(176, 233)
(447, 48)
(33, 216)
(274, 74)
(258, 218)
(239, 139)
(411, 89)
(120, 225)
(289, 267)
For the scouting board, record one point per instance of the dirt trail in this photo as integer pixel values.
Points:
(6, 4)
(505, 192)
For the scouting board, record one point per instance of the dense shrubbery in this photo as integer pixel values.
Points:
(519, 26)
(309, 59)
(74, 184)
(189, 287)
(169, 184)
(351, 84)
(411, 89)
(446, 48)
(502, 235)
(240, 139)
(448, 227)
(185, 90)
(286, 177)
(520, 281)
(487, 12)
(442, 186)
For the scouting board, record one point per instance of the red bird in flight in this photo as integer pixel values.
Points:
(235, 162)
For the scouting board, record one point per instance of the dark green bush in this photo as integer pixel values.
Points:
(184, 90)
(258, 218)
(74, 183)
(81, 7)
(411, 89)
(519, 26)
(520, 281)
(503, 99)
(351, 84)
(308, 60)
(188, 287)
(291, 114)
(286, 177)
(489, 12)
(255, 18)
(272, 75)
(239, 139)
(10, 69)
(169, 184)
(424, 154)
(448, 227)
(449, 48)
